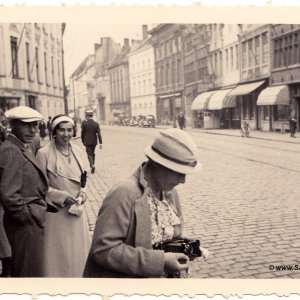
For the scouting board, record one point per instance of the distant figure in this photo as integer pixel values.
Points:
(293, 126)
(90, 131)
(3, 133)
(35, 144)
(49, 128)
(181, 120)
(42, 130)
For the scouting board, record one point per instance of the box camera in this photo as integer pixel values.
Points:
(189, 247)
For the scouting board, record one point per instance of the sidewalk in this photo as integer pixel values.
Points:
(254, 134)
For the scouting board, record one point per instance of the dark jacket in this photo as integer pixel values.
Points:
(23, 187)
(90, 133)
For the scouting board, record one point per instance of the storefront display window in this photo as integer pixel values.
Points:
(266, 113)
(281, 112)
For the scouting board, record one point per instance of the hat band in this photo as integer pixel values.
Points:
(191, 164)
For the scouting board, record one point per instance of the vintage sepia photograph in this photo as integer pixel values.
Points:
(148, 149)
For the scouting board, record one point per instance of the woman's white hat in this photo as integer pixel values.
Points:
(174, 149)
(24, 114)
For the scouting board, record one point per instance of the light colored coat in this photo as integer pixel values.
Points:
(121, 244)
(67, 238)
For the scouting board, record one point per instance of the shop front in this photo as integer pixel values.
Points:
(219, 108)
(274, 108)
(245, 110)
(169, 107)
(199, 109)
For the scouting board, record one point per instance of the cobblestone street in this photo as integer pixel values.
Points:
(243, 206)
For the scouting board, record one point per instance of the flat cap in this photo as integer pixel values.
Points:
(89, 112)
(24, 114)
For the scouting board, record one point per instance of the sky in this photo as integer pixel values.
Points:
(79, 39)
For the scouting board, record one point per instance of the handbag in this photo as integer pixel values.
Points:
(83, 179)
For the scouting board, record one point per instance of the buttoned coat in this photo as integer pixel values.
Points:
(90, 133)
(23, 187)
(121, 245)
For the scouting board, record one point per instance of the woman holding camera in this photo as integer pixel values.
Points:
(67, 238)
(142, 210)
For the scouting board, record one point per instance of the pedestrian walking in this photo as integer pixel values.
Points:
(293, 126)
(42, 130)
(67, 239)
(90, 135)
(23, 187)
(49, 128)
(181, 120)
(144, 209)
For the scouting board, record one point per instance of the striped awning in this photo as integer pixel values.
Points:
(274, 95)
(201, 101)
(245, 89)
(216, 101)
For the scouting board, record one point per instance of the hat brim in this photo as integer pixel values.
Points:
(180, 168)
(28, 120)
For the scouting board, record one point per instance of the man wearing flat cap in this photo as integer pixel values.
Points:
(90, 135)
(23, 187)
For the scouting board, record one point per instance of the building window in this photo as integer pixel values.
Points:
(231, 59)
(281, 112)
(257, 50)
(167, 73)
(14, 57)
(226, 60)
(52, 71)
(237, 57)
(251, 107)
(179, 71)
(28, 61)
(244, 56)
(31, 102)
(250, 53)
(37, 67)
(46, 68)
(58, 73)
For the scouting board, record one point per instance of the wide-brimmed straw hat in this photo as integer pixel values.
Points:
(23, 114)
(175, 150)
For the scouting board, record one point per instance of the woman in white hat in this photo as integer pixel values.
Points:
(142, 210)
(67, 238)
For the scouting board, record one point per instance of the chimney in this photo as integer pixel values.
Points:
(145, 31)
(97, 46)
(126, 43)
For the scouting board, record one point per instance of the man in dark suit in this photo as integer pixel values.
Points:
(23, 188)
(90, 134)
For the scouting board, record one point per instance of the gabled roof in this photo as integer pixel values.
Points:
(83, 66)
(145, 43)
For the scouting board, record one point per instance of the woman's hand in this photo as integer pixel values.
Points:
(81, 198)
(70, 201)
(175, 262)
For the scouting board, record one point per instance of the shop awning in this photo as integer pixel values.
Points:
(201, 101)
(274, 95)
(216, 101)
(244, 89)
(229, 102)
